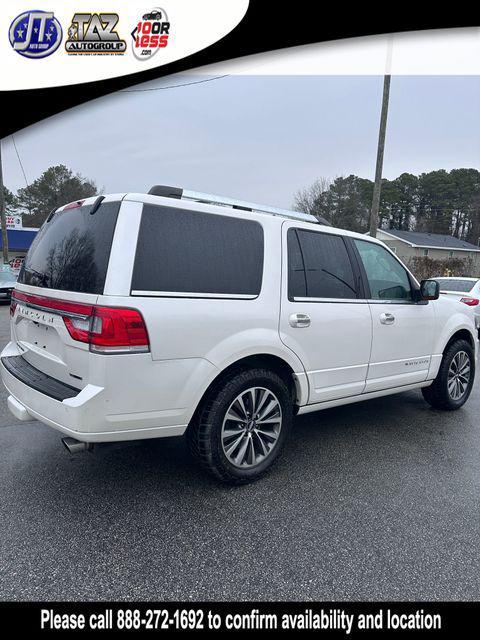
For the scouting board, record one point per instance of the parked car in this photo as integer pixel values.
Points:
(170, 313)
(466, 290)
(8, 280)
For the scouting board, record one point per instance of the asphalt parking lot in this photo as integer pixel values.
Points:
(379, 500)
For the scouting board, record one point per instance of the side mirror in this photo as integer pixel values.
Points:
(429, 289)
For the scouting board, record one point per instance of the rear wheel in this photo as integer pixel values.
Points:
(243, 426)
(453, 384)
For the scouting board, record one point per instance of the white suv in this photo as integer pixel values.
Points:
(145, 316)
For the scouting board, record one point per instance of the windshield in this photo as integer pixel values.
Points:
(450, 284)
(71, 251)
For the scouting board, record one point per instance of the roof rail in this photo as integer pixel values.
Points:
(225, 201)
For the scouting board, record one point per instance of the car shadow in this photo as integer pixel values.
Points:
(166, 464)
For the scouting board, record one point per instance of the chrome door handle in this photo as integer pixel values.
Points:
(387, 318)
(299, 320)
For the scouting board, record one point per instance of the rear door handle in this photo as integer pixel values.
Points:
(387, 318)
(299, 320)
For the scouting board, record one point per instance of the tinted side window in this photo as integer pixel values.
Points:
(297, 283)
(322, 262)
(192, 252)
(387, 278)
(71, 252)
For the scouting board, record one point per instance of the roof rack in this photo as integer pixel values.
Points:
(225, 201)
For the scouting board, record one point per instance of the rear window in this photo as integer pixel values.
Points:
(447, 284)
(181, 251)
(71, 252)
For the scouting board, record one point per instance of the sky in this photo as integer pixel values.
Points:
(258, 138)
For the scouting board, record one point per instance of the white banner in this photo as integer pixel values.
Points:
(66, 42)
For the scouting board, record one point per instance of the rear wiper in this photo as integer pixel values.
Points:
(43, 278)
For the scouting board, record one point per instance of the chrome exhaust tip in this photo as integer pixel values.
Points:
(75, 446)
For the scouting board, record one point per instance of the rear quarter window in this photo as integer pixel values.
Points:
(72, 250)
(183, 251)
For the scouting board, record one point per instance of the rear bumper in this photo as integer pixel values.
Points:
(70, 420)
(156, 402)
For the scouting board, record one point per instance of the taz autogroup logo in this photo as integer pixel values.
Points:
(150, 34)
(35, 34)
(94, 33)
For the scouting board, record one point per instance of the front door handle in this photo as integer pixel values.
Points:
(299, 320)
(387, 318)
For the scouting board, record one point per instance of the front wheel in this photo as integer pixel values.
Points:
(243, 426)
(453, 384)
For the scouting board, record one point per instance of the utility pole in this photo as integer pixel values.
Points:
(3, 217)
(379, 168)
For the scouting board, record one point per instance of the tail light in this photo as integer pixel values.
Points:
(471, 302)
(110, 329)
(104, 329)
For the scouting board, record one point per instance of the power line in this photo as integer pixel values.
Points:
(174, 86)
(20, 161)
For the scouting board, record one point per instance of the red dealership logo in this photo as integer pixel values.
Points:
(151, 33)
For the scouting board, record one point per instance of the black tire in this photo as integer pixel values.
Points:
(438, 395)
(206, 435)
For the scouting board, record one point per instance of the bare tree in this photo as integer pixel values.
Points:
(305, 200)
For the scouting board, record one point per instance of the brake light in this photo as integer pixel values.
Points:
(471, 302)
(104, 329)
(13, 306)
(73, 205)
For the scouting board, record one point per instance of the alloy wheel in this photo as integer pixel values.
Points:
(251, 427)
(458, 375)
